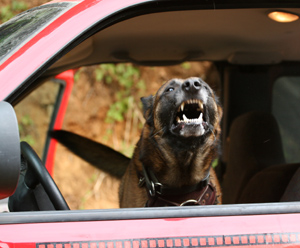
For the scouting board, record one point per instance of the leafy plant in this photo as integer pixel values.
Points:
(25, 125)
(186, 65)
(9, 11)
(128, 83)
(215, 163)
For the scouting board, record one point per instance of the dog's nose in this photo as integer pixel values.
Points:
(191, 85)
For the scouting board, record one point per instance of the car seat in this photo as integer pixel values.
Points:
(272, 184)
(254, 144)
(292, 191)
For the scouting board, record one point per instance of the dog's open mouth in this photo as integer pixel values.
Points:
(190, 119)
(190, 111)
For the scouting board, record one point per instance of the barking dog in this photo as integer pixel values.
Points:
(172, 162)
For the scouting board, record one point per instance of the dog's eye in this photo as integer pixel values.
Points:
(170, 89)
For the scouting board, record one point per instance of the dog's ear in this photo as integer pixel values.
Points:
(148, 108)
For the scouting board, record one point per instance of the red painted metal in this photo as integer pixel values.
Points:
(68, 77)
(258, 230)
(45, 44)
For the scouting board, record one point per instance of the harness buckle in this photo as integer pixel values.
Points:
(155, 188)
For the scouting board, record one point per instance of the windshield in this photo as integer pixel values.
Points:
(19, 29)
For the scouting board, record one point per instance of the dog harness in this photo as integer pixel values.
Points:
(159, 195)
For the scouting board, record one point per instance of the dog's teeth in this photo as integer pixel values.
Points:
(185, 119)
(200, 118)
(200, 105)
(182, 106)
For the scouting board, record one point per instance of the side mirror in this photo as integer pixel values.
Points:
(10, 156)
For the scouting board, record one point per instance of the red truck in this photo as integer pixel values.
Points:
(254, 46)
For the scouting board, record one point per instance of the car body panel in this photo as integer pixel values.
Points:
(217, 231)
(205, 226)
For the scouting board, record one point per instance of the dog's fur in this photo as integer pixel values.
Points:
(179, 152)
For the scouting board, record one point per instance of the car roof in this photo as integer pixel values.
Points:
(152, 33)
(244, 36)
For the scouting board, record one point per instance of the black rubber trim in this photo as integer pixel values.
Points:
(277, 239)
(150, 213)
(58, 100)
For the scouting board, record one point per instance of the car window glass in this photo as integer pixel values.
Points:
(34, 115)
(286, 109)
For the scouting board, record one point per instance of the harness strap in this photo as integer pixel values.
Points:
(156, 188)
(203, 193)
(205, 196)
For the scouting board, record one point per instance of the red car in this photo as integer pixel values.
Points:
(254, 46)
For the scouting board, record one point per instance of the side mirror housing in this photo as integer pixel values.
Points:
(10, 156)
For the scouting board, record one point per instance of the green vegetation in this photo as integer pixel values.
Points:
(186, 65)
(129, 84)
(215, 163)
(126, 87)
(9, 11)
(26, 125)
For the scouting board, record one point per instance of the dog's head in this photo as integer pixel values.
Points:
(184, 109)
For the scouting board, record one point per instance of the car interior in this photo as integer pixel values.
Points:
(258, 62)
